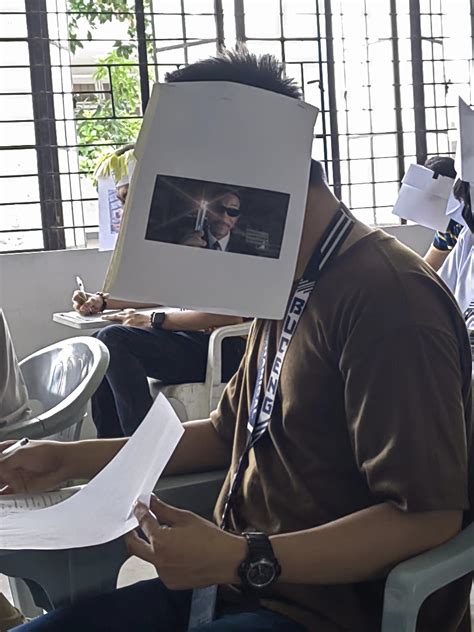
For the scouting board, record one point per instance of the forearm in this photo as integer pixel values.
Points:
(115, 303)
(435, 258)
(361, 546)
(200, 450)
(87, 458)
(197, 321)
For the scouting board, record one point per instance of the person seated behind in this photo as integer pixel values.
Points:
(363, 464)
(457, 271)
(173, 350)
(443, 242)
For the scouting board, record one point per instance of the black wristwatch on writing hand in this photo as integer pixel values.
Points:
(260, 569)
(157, 319)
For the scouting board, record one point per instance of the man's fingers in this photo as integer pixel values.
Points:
(166, 514)
(79, 297)
(148, 523)
(138, 547)
(115, 318)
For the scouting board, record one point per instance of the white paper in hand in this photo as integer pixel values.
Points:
(102, 510)
(464, 162)
(423, 198)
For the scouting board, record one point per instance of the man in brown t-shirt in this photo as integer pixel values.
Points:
(364, 463)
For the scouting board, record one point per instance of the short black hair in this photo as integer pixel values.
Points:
(241, 66)
(442, 165)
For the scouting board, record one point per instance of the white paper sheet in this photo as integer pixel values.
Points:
(464, 162)
(454, 210)
(423, 198)
(102, 510)
(30, 502)
(223, 135)
(110, 213)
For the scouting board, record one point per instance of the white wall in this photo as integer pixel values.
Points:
(34, 285)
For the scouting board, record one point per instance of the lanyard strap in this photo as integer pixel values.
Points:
(261, 408)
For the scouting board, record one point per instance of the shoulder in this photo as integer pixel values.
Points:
(379, 286)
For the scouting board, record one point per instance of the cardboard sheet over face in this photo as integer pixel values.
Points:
(423, 197)
(215, 209)
(464, 162)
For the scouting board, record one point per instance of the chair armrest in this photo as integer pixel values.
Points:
(214, 355)
(412, 581)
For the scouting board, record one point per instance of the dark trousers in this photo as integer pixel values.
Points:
(150, 607)
(174, 357)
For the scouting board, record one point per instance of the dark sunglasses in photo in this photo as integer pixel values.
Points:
(231, 212)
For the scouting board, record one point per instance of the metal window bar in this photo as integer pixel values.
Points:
(320, 59)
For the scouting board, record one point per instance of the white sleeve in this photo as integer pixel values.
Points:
(449, 271)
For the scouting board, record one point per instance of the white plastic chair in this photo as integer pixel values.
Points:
(195, 401)
(60, 380)
(412, 581)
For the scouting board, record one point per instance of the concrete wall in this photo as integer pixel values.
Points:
(34, 285)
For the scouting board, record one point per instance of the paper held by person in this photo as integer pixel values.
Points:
(102, 510)
(217, 200)
(464, 162)
(423, 197)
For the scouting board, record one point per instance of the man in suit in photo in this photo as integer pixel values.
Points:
(218, 231)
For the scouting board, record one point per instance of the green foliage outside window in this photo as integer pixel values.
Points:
(106, 121)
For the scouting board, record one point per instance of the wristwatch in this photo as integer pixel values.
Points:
(260, 569)
(157, 319)
(104, 298)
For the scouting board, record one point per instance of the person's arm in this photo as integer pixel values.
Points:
(197, 321)
(43, 465)
(193, 552)
(199, 450)
(94, 303)
(443, 244)
(435, 258)
(385, 536)
(176, 321)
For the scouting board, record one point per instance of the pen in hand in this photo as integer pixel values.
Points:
(81, 287)
(19, 444)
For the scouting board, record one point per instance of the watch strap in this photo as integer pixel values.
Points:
(104, 298)
(157, 319)
(259, 546)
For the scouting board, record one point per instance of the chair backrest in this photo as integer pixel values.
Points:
(56, 372)
(60, 380)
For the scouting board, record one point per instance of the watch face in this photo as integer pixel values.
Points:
(261, 573)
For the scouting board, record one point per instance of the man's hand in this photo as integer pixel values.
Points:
(195, 239)
(187, 551)
(39, 466)
(87, 304)
(130, 318)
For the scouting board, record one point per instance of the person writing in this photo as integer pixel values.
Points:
(171, 347)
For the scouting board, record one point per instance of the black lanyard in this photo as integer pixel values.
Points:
(262, 404)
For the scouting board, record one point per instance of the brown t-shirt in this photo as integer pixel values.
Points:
(373, 406)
